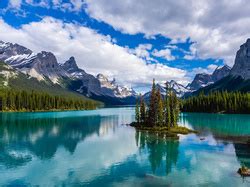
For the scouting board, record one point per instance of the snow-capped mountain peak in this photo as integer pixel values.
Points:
(119, 91)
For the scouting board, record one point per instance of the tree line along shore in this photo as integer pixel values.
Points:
(20, 100)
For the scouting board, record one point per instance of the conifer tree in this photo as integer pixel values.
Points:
(176, 109)
(152, 106)
(160, 110)
(167, 107)
(143, 111)
(137, 113)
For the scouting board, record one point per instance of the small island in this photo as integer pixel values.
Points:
(244, 171)
(161, 115)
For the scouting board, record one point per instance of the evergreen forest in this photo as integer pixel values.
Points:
(17, 100)
(218, 102)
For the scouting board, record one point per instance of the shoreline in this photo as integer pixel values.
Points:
(222, 113)
(172, 131)
(55, 110)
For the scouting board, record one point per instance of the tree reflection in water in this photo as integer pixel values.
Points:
(242, 152)
(160, 148)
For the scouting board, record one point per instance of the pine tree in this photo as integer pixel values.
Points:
(160, 110)
(152, 106)
(176, 110)
(167, 107)
(137, 113)
(143, 111)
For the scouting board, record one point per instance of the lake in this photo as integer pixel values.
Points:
(95, 148)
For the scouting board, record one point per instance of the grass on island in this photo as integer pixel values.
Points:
(173, 130)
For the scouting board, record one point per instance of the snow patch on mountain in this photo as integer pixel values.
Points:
(7, 73)
(177, 88)
(119, 91)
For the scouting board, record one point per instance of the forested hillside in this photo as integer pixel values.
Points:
(15, 100)
(19, 92)
(218, 102)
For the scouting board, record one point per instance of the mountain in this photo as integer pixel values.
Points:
(11, 78)
(202, 80)
(178, 89)
(98, 87)
(81, 81)
(220, 72)
(242, 62)
(118, 90)
(229, 83)
(238, 79)
(44, 67)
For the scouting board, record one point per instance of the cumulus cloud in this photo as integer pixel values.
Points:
(41, 3)
(143, 51)
(208, 70)
(94, 52)
(217, 27)
(192, 53)
(15, 4)
(164, 53)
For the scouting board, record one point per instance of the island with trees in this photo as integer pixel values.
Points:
(161, 114)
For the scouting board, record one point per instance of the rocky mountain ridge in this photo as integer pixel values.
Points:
(242, 62)
(238, 79)
(202, 79)
(44, 67)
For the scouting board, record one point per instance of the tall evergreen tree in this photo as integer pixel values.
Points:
(160, 109)
(167, 107)
(152, 106)
(176, 110)
(143, 111)
(137, 112)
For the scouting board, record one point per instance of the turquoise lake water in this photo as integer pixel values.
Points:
(94, 148)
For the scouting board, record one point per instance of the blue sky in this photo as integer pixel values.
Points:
(167, 40)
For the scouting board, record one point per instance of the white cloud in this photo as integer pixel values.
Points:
(72, 5)
(218, 28)
(94, 52)
(164, 53)
(208, 70)
(41, 3)
(192, 53)
(15, 4)
(142, 51)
